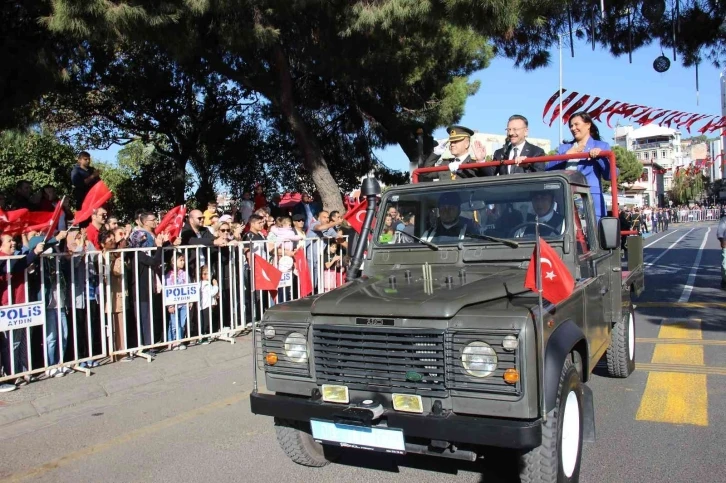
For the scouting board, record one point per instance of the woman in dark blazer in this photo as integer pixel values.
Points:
(586, 140)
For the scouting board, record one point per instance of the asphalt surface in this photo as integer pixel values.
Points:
(190, 421)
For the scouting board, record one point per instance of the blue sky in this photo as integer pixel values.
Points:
(505, 91)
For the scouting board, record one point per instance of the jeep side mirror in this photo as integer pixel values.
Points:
(609, 233)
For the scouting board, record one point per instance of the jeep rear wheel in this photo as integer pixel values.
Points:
(621, 352)
(297, 442)
(557, 459)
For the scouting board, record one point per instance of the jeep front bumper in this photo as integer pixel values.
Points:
(477, 430)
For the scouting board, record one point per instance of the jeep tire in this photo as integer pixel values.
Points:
(621, 352)
(558, 458)
(296, 440)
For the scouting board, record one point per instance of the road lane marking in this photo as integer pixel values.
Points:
(667, 249)
(655, 340)
(675, 396)
(659, 239)
(671, 368)
(685, 305)
(692, 276)
(124, 438)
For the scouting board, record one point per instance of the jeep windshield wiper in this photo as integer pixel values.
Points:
(503, 241)
(432, 246)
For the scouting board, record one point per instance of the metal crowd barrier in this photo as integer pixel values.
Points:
(67, 311)
(50, 316)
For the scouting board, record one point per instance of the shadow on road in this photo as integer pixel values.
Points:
(495, 466)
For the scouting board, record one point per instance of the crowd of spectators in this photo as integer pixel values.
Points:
(79, 257)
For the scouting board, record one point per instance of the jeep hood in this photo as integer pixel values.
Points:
(392, 295)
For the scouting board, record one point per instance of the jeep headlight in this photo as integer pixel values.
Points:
(479, 359)
(296, 347)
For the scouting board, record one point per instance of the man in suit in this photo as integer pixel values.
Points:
(516, 148)
(459, 142)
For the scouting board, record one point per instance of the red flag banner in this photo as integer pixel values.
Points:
(557, 281)
(53, 223)
(635, 112)
(173, 222)
(267, 276)
(8, 217)
(357, 215)
(30, 221)
(303, 273)
(97, 196)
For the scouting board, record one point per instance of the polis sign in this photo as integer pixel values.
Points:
(21, 316)
(181, 294)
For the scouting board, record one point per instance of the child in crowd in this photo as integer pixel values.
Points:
(333, 266)
(177, 275)
(283, 234)
(210, 291)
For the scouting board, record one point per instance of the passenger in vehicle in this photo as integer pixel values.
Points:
(449, 223)
(586, 140)
(551, 222)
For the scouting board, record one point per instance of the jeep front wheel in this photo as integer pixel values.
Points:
(557, 459)
(621, 352)
(297, 442)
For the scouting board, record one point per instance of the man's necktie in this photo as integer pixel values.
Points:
(515, 151)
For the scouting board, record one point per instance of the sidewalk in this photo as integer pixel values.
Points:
(51, 394)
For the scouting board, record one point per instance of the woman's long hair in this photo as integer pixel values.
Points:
(594, 131)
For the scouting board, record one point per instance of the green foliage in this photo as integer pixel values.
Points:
(630, 169)
(36, 157)
(140, 181)
(687, 187)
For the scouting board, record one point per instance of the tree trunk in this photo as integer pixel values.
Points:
(312, 156)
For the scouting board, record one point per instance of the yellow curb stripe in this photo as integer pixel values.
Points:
(706, 370)
(655, 340)
(676, 397)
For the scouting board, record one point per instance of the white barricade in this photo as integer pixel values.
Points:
(50, 314)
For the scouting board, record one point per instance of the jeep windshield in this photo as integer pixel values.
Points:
(450, 214)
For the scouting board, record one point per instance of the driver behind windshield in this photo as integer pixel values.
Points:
(543, 205)
(449, 224)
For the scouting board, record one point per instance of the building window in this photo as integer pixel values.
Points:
(654, 155)
(663, 154)
(644, 176)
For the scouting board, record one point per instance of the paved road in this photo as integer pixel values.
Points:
(185, 417)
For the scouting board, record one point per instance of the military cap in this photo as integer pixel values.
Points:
(449, 199)
(459, 132)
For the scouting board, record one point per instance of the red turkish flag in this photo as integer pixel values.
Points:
(303, 273)
(97, 196)
(29, 221)
(10, 217)
(53, 223)
(267, 276)
(172, 222)
(557, 282)
(357, 215)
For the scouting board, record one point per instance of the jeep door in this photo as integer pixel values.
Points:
(591, 273)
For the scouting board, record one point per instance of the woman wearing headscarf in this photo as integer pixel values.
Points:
(586, 139)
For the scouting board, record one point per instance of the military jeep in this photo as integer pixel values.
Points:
(435, 346)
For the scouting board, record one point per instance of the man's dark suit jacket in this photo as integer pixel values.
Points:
(528, 150)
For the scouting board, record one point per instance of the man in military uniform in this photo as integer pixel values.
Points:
(459, 142)
(551, 222)
(449, 224)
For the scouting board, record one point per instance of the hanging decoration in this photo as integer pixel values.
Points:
(674, 27)
(653, 10)
(697, 93)
(661, 64)
(630, 36)
(569, 23)
(592, 26)
(635, 112)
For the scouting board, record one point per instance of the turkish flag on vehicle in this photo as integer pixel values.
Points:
(557, 282)
(357, 215)
(172, 222)
(267, 276)
(97, 196)
(303, 273)
(53, 223)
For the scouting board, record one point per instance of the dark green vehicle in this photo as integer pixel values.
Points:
(436, 347)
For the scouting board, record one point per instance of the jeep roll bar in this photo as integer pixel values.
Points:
(541, 159)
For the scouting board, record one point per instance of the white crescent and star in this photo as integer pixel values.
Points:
(551, 274)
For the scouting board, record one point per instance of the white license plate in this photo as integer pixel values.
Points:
(387, 440)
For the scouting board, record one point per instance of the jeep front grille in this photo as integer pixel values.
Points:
(380, 358)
